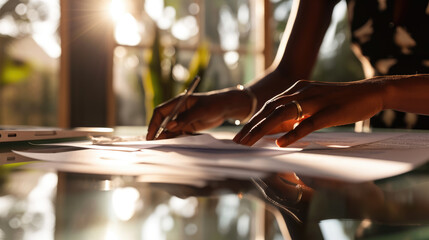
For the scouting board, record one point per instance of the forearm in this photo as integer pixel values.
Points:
(295, 58)
(272, 84)
(407, 93)
(240, 102)
(297, 53)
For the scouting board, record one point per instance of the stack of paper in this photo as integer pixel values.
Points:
(345, 156)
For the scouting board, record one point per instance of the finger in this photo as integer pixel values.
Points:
(190, 127)
(280, 114)
(159, 113)
(282, 98)
(191, 112)
(258, 117)
(201, 125)
(268, 108)
(168, 134)
(322, 119)
(285, 126)
(162, 111)
(184, 119)
(296, 87)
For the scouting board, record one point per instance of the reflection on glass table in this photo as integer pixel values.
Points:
(45, 203)
(51, 205)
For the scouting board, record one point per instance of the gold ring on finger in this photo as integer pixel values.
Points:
(298, 109)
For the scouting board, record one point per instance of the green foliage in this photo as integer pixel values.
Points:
(152, 82)
(7, 169)
(14, 71)
(158, 82)
(173, 3)
(199, 63)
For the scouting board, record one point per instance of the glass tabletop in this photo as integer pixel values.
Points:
(47, 203)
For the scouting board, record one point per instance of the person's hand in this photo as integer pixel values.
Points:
(198, 113)
(323, 105)
(201, 111)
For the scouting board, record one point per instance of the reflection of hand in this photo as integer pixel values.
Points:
(290, 187)
(201, 111)
(323, 105)
(288, 193)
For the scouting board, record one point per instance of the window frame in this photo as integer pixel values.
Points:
(98, 105)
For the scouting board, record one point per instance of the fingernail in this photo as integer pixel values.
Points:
(171, 125)
(244, 139)
(236, 138)
(281, 142)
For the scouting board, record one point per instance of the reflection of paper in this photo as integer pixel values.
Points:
(344, 156)
(159, 174)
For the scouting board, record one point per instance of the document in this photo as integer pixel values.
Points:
(346, 156)
(222, 141)
(202, 141)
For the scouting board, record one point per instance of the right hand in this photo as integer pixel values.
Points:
(324, 104)
(201, 111)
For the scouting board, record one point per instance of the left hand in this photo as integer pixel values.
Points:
(323, 105)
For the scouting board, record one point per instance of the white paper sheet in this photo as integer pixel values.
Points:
(344, 156)
(222, 141)
(204, 141)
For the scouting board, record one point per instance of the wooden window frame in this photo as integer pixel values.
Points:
(86, 95)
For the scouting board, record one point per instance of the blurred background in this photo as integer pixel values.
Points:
(75, 63)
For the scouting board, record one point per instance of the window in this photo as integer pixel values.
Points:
(29, 62)
(161, 45)
(156, 47)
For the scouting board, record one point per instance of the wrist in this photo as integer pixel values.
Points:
(253, 103)
(391, 88)
(241, 104)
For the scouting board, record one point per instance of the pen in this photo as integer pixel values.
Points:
(191, 88)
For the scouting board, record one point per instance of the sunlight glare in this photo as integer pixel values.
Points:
(111, 234)
(2, 2)
(243, 14)
(21, 9)
(49, 44)
(228, 30)
(180, 73)
(227, 212)
(243, 225)
(127, 30)
(184, 207)
(124, 202)
(185, 28)
(231, 59)
(338, 146)
(117, 9)
(194, 8)
(8, 26)
(152, 227)
(154, 8)
(333, 229)
(167, 19)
